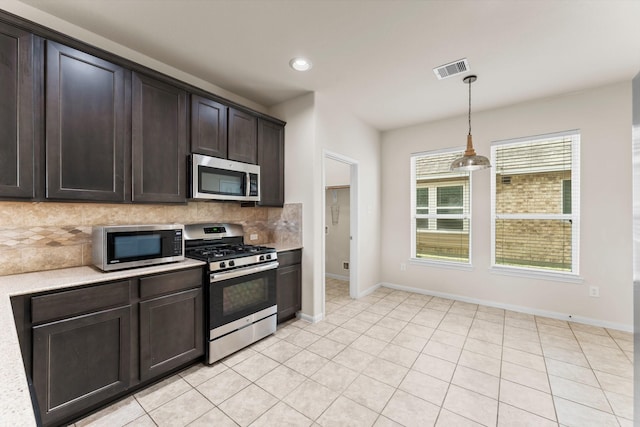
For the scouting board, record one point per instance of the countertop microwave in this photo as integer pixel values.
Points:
(213, 178)
(118, 247)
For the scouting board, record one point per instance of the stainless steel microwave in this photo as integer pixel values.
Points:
(125, 246)
(213, 178)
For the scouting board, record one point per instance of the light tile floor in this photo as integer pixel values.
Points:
(395, 358)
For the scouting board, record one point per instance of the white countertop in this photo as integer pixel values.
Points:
(15, 400)
(283, 247)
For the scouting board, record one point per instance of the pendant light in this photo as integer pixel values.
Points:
(469, 162)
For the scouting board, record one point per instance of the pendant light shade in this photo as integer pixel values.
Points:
(470, 161)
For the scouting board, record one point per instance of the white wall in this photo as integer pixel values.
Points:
(603, 116)
(336, 173)
(302, 159)
(341, 132)
(316, 123)
(336, 238)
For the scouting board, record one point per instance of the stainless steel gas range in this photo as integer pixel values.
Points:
(241, 292)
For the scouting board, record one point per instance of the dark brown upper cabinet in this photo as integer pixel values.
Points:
(86, 116)
(271, 161)
(243, 141)
(81, 124)
(159, 141)
(17, 114)
(208, 127)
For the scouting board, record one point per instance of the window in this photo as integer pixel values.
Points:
(535, 203)
(450, 201)
(422, 206)
(566, 196)
(441, 208)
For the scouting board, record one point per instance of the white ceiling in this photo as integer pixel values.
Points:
(376, 56)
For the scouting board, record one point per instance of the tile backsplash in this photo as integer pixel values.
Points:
(36, 236)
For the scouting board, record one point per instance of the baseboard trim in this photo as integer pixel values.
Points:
(311, 319)
(521, 309)
(336, 276)
(369, 290)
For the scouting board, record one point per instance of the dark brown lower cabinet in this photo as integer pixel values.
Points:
(92, 345)
(170, 332)
(289, 283)
(80, 362)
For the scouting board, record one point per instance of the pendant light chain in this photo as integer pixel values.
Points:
(469, 161)
(470, 106)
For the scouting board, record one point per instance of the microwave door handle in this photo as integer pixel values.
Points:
(247, 184)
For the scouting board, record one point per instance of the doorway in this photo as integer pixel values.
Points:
(339, 235)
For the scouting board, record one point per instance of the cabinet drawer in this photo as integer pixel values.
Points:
(290, 257)
(151, 286)
(79, 301)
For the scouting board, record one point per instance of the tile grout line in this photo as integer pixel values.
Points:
(454, 371)
(396, 311)
(546, 368)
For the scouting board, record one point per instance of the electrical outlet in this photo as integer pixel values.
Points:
(594, 291)
(253, 237)
(345, 265)
(403, 266)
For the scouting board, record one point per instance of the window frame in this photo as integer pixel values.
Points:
(433, 216)
(574, 217)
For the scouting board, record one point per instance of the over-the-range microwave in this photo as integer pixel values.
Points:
(213, 178)
(116, 247)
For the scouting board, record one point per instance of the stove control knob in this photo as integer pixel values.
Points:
(222, 264)
(261, 258)
(268, 256)
(231, 263)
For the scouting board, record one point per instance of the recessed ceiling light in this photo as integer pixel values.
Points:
(300, 64)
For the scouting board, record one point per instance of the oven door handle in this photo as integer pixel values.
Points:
(217, 277)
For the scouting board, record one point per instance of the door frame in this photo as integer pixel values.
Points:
(353, 221)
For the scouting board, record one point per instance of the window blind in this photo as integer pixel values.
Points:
(535, 202)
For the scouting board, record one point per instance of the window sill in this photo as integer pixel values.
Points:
(532, 274)
(441, 264)
(440, 231)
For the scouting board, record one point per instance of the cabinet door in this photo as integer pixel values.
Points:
(208, 127)
(288, 292)
(85, 118)
(80, 362)
(271, 161)
(243, 140)
(16, 113)
(159, 141)
(170, 332)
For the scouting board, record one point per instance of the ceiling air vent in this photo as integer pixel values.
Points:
(451, 69)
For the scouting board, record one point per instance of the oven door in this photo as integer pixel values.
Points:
(241, 292)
